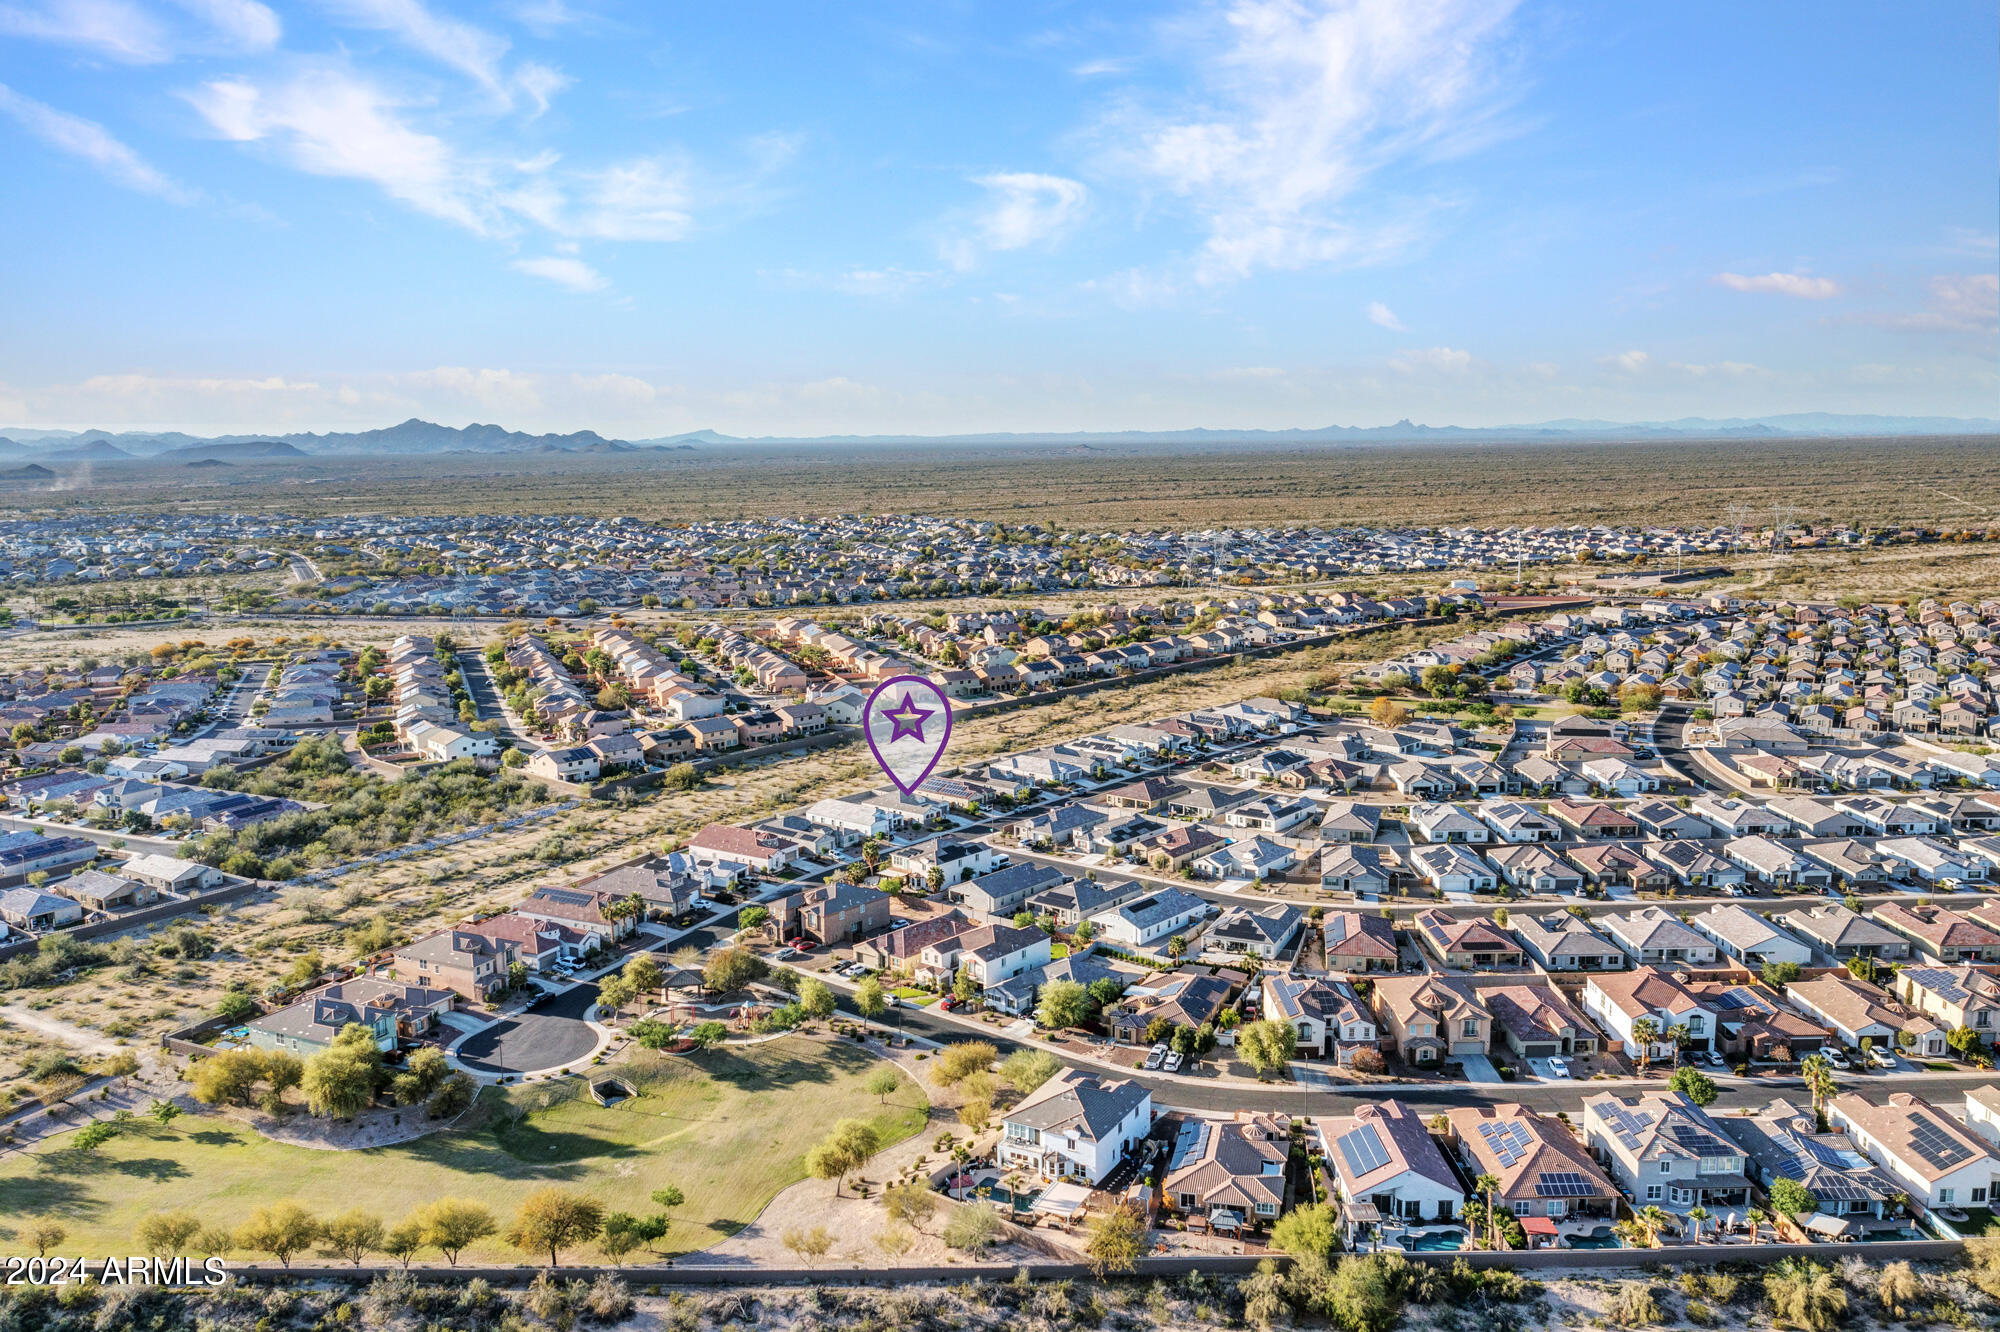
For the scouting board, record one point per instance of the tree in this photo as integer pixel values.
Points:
(552, 1219)
(894, 1242)
(869, 1000)
(1387, 713)
(1267, 1046)
(167, 1232)
(974, 1228)
(708, 1035)
(1818, 1074)
(622, 1233)
(228, 1078)
(1645, 1031)
(910, 1202)
(1177, 947)
(976, 1095)
(1805, 1294)
(1791, 1198)
(1696, 1216)
(1117, 1240)
(1263, 1294)
(1027, 1069)
(1363, 1294)
(1308, 1234)
(353, 1235)
(44, 1233)
(1778, 975)
(1962, 1041)
(881, 1082)
(339, 1082)
(963, 987)
(653, 1033)
(960, 1060)
(732, 969)
(1065, 1004)
(279, 1229)
(1488, 1185)
(404, 1241)
(1696, 1085)
(644, 973)
(1897, 1288)
(816, 998)
(809, 1246)
(236, 1006)
(451, 1225)
(164, 1112)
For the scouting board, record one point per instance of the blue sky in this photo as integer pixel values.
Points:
(941, 217)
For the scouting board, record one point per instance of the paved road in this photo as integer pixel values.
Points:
(485, 693)
(1197, 1093)
(547, 1036)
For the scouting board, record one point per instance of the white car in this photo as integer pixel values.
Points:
(1836, 1058)
(1156, 1056)
(1173, 1064)
(1558, 1067)
(892, 1001)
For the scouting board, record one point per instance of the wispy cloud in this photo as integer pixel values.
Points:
(1801, 285)
(1435, 360)
(116, 29)
(1022, 209)
(92, 143)
(1954, 303)
(1383, 317)
(473, 51)
(327, 121)
(574, 274)
(1306, 101)
(245, 25)
(1630, 362)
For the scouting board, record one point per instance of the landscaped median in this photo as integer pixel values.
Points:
(729, 1128)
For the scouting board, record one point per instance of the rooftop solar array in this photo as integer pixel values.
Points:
(1362, 1149)
(1564, 1184)
(1937, 1147)
(1508, 1142)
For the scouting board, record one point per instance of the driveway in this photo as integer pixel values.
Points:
(1478, 1068)
(551, 1034)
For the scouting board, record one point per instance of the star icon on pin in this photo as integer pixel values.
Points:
(908, 720)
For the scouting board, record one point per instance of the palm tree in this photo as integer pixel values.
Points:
(1818, 1074)
(1679, 1035)
(1644, 1031)
(1489, 1185)
(1696, 1215)
(1654, 1220)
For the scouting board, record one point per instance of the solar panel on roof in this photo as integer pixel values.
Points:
(1363, 1150)
(1937, 1147)
(1563, 1184)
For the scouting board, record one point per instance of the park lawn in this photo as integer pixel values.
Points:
(729, 1128)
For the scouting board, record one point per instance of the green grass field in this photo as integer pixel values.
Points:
(729, 1128)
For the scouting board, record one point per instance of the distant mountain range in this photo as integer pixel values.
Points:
(415, 437)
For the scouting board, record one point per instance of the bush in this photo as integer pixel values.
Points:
(959, 1061)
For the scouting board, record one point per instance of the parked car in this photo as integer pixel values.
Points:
(1836, 1057)
(1713, 1060)
(803, 944)
(1558, 1067)
(1878, 1057)
(948, 1003)
(892, 1001)
(1173, 1062)
(1157, 1056)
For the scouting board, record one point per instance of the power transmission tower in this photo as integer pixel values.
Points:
(1737, 513)
(1781, 517)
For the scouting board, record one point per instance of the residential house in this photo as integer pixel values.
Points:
(1749, 938)
(470, 964)
(1953, 997)
(832, 913)
(1843, 934)
(1466, 944)
(1328, 1017)
(1253, 931)
(1562, 942)
(1004, 893)
(1783, 1141)
(1429, 1020)
(1229, 1171)
(1619, 1001)
(1077, 1125)
(1941, 934)
(1385, 1161)
(1535, 1021)
(1543, 1169)
(1938, 1161)
(1358, 944)
(1536, 869)
(1665, 1151)
(1144, 921)
(1862, 1016)
(1653, 937)
(390, 1010)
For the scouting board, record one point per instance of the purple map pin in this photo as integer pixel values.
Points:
(907, 722)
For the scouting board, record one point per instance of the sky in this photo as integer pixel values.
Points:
(655, 216)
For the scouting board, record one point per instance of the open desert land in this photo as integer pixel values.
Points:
(1099, 487)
